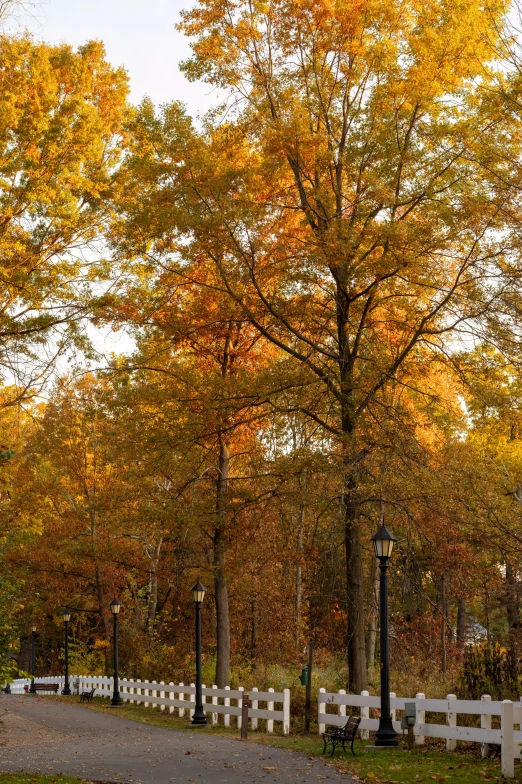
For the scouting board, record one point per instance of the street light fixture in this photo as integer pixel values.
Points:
(32, 689)
(116, 699)
(199, 718)
(383, 542)
(66, 615)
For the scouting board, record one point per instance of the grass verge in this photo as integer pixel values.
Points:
(423, 765)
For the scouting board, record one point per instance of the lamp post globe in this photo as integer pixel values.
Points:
(199, 718)
(32, 689)
(383, 542)
(116, 700)
(66, 615)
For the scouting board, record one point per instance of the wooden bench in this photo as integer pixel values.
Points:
(86, 696)
(47, 687)
(338, 736)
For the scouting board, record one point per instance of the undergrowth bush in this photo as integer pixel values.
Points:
(490, 669)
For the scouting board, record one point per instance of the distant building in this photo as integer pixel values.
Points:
(475, 633)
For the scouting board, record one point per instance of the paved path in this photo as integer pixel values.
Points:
(39, 734)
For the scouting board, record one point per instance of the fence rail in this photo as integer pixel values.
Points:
(510, 714)
(226, 702)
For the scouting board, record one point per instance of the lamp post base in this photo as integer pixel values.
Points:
(199, 720)
(32, 689)
(66, 691)
(386, 737)
(116, 701)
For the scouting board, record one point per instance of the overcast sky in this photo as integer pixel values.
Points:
(138, 34)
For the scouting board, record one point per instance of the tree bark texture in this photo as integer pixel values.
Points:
(356, 643)
(512, 597)
(356, 646)
(443, 625)
(153, 552)
(299, 577)
(253, 635)
(462, 622)
(373, 615)
(219, 566)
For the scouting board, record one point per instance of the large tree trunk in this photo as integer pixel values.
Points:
(373, 615)
(512, 597)
(253, 635)
(220, 582)
(152, 601)
(443, 612)
(356, 643)
(299, 577)
(356, 647)
(462, 622)
(24, 657)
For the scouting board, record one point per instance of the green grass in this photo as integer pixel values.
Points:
(420, 766)
(423, 765)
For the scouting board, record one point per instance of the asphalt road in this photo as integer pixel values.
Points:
(39, 734)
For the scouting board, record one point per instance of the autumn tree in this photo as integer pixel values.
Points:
(345, 202)
(188, 328)
(61, 125)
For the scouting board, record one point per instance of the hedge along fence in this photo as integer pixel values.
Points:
(507, 737)
(161, 695)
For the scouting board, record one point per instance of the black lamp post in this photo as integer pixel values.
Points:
(199, 718)
(32, 689)
(116, 699)
(66, 618)
(383, 542)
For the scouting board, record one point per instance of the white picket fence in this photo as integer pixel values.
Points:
(226, 702)
(507, 736)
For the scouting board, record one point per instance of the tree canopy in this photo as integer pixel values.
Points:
(322, 281)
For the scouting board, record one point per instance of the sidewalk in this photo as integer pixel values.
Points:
(47, 736)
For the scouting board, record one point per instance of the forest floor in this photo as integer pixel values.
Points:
(423, 765)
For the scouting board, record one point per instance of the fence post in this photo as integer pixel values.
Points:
(451, 721)
(421, 719)
(485, 723)
(154, 694)
(214, 702)
(286, 711)
(508, 740)
(255, 703)
(393, 711)
(181, 695)
(240, 706)
(172, 696)
(226, 720)
(321, 708)
(162, 694)
(245, 704)
(270, 722)
(342, 708)
(203, 698)
(146, 693)
(365, 714)
(192, 698)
